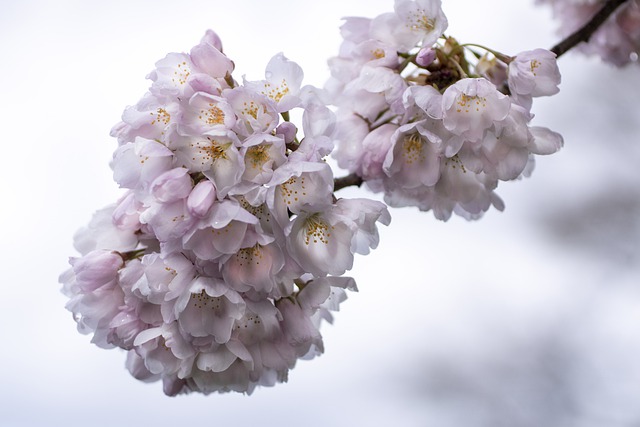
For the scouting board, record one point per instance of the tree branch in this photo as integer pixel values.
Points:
(584, 34)
(347, 181)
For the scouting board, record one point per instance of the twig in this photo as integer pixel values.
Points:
(347, 181)
(584, 34)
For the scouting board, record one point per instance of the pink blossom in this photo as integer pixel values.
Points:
(532, 74)
(222, 232)
(205, 115)
(470, 107)
(201, 271)
(282, 83)
(96, 269)
(211, 309)
(103, 233)
(414, 159)
(137, 164)
(255, 111)
(255, 267)
(414, 23)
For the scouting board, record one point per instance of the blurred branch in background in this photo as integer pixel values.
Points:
(584, 33)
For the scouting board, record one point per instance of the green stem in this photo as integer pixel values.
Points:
(463, 74)
(408, 60)
(501, 56)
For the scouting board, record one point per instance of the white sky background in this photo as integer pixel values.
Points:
(529, 317)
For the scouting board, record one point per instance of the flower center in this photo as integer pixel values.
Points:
(317, 230)
(257, 155)
(378, 53)
(250, 109)
(419, 21)
(248, 321)
(181, 75)
(212, 116)
(161, 116)
(467, 103)
(276, 93)
(455, 163)
(222, 231)
(259, 212)
(204, 301)
(249, 255)
(412, 148)
(534, 65)
(210, 150)
(290, 189)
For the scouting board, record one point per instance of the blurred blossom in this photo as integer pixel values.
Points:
(617, 41)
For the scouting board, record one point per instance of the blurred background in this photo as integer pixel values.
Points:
(530, 317)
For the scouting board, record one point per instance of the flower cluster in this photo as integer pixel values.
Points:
(216, 267)
(433, 123)
(617, 41)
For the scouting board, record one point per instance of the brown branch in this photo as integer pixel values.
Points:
(347, 181)
(584, 34)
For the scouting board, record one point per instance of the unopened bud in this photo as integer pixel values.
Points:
(210, 37)
(172, 185)
(201, 198)
(288, 131)
(425, 57)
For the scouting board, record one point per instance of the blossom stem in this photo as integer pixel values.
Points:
(197, 177)
(347, 181)
(584, 33)
(381, 113)
(229, 80)
(128, 256)
(293, 146)
(367, 121)
(463, 74)
(501, 56)
(408, 60)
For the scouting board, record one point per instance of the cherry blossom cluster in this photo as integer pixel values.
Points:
(216, 267)
(431, 122)
(617, 41)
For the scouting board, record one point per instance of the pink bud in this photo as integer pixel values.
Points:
(201, 198)
(425, 57)
(172, 185)
(96, 269)
(126, 215)
(288, 130)
(210, 37)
